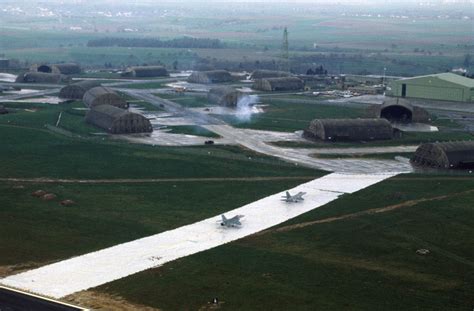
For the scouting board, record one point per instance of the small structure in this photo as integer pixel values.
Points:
(145, 72)
(48, 197)
(41, 77)
(262, 74)
(65, 68)
(78, 89)
(118, 121)
(349, 129)
(224, 96)
(103, 96)
(445, 155)
(422, 251)
(67, 202)
(443, 86)
(279, 84)
(38, 193)
(208, 77)
(402, 111)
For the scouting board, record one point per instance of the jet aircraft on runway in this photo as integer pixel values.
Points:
(231, 222)
(293, 198)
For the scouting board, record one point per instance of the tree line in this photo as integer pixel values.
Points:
(185, 42)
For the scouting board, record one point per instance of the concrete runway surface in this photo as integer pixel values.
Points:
(90, 270)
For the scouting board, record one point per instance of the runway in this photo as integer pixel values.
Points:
(90, 270)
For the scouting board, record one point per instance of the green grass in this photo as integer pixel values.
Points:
(288, 117)
(32, 230)
(53, 155)
(188, 101)
(358, 263)
(56, 156)
(407, 138)
(148, 85)
(385, 156)
(145, 105)
(192, 130)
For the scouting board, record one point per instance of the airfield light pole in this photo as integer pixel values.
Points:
(285, 54)
(383, 78)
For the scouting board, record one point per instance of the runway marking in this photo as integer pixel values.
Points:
(90, 270)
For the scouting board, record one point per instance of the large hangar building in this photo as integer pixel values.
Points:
(103, 96)
(459, 154)
(118, 121)
(348, 130)
(443, 86)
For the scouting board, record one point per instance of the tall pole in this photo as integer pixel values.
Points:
(285, 55)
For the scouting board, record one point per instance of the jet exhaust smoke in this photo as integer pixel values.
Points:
(246, 107)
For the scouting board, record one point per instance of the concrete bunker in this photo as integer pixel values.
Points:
(103, 96)
(41, 77)
(279, 84)
(224, 96)
(63, 68)
(446, 155)
(78, 89)
(402, 111)
(118, 121)
(209, 77)
(146, 72)
(349, 130)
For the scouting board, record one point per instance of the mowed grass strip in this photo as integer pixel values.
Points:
(357, 263)
(34, 232)
(30, 150)
(288, 117)
(38, 153)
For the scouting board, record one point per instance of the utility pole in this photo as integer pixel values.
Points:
(285, 54)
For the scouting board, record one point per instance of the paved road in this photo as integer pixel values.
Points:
(26, 95)
(254, 142)
(12, 300)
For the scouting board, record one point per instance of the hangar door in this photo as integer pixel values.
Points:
(438, 93)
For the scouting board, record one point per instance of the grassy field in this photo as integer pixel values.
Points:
(359, 262)
(288, 117)
(106, 214)
(386, 156)
(193, 130)
(408, 138)
(147, 85)
(34, 232)
(144, 105)
(188, 101)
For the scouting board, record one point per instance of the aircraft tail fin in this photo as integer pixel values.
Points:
(288, 195)
(223, 218)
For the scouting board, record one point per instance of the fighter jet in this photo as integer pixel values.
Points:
(231, 222)
(293, 198)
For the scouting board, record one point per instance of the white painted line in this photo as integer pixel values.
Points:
(97, 268)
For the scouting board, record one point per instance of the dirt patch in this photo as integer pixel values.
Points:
(100, 301)
(15, 269)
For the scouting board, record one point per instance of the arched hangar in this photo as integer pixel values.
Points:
(446, 155)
